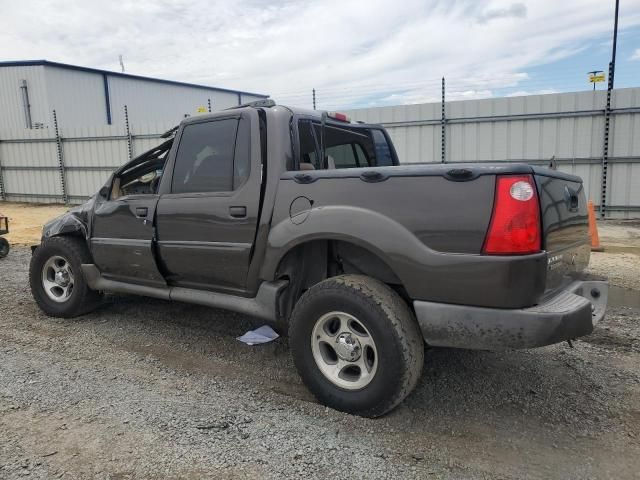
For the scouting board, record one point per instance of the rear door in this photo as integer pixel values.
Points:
(565, 224)
(208, 212)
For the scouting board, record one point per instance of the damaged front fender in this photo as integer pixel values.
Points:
(77, 221)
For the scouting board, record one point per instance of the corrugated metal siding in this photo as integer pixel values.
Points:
(472, 135)
(624, 177)
(530, 129)
(38, 152)
(146, 136)
(30, 164)
(149, 101)
(76, 96)
(103, 146)
(91, 154)
(526, 138)
(567, 126)
(11, 104)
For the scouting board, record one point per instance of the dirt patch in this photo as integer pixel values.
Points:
(619, 232)
(620, 261)
(26, 220)
(622, 269)
(606, 338)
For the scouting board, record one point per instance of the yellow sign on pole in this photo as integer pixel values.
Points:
(596, 77)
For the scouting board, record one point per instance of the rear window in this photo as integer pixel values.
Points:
(346, 147)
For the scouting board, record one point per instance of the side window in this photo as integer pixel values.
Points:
(361, 157)
(348, 146)
(205, 158)
(308, 146)
(383, 152)
(341, 156)
(142, 175)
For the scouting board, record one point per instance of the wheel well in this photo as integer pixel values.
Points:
(311, 262)
(79, 234)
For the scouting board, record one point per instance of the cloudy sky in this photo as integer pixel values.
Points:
(355, 53)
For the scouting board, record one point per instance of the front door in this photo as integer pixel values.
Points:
(122, 240)
(122, 232)
(208, 212)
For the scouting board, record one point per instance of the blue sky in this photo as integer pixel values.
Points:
(570, 73)
(354, 52)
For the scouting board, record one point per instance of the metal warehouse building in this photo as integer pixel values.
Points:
(31, 90)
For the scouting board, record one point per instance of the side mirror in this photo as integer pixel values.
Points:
(104, 192)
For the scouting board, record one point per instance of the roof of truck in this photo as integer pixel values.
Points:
(265, 103)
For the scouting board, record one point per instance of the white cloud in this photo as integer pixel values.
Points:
(350, 51)
(636, 55)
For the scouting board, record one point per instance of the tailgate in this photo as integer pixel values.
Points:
(565, 224)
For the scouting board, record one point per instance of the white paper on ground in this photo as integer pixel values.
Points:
(264, 334)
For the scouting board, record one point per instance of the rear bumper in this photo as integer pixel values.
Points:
(569, 314)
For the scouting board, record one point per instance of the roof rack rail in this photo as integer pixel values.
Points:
(266, 102)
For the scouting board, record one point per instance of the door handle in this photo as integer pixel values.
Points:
(238, 212)
(372, 177)
(141, 212)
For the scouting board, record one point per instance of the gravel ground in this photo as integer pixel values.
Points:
(149, 389)
(621, 258)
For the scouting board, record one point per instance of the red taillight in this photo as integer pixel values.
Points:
(515, 222)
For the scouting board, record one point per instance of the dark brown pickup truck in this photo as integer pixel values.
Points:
(308, 221)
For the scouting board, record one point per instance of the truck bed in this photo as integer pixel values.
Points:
(438, 216)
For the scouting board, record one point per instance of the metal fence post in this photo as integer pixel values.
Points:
(314, 98)
(61, 167)
(3, 195)
(129, 139)
(605, 148)
(443, 127)
(607, 116)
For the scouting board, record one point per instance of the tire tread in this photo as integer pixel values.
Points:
(77, 249)
(404, 327)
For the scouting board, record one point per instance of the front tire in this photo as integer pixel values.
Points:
(56, 279)
(356, 345)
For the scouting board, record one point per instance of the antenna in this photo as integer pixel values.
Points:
(121, 62)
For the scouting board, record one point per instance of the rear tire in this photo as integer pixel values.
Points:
(56, 279)
(4, 247)
(356, 345)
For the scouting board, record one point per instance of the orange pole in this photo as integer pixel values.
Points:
(593, 229)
